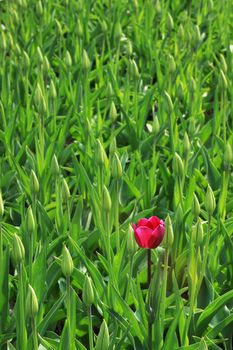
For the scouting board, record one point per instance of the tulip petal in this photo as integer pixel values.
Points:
(154, 221)
(156, 236)
(143, 235)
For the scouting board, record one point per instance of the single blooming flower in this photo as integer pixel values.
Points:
(149, 233)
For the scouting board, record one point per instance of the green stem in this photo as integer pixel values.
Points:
(34, 334)
(129, 279)
(22, 335)
(30, 258)
(163, 297)
(148, 285)
(90, 329)
(117, 217)
(205, 257)
(68, 307)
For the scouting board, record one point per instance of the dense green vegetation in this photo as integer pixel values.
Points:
(111, 111)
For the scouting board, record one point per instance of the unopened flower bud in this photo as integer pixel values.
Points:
(40, 55)
(58, 27)
(228, 156)
(113, 111)
(186, 145)
(18, 249)
(169, 236)
(102, 342)
(88, 294)
(79, 29)
(155, 125)
(170, 22)
(210, 203)
(107, 202)
(171, 64)
(68, 59)
(34, 182)
(178, 166)
(100, 153)
(223, 64)
(31, 302)
(132, 245)
(26, 60)
(1, 206)
(86, 61)
(133, 69)
(117, 32)
(55, 166)
(53, 91)
(39, 8)
(65, 190)
(195, 206)
(30, 221)
(223, 80)
(116, 167)
(168, 102)
(40, 100)
(113, 146)
(67, 265)
(129, 48)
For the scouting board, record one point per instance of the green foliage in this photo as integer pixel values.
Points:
(111, 111)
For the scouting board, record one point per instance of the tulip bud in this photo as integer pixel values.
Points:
(102, 342)
(26, 60)
(131, 242)
(228, 156)
(169, 236)
(170, 22)
(223, 63)
(104, 27)
(113, 111)
(210, 203)
(88, 294)
(109, 91)
(67, 265)
(46, 65)
(40, 55)
(52, 90)
(171, 64)
(186, 145)
(39, 8)
(155, 125)
(195, 206)
(65, 190)
(55, 166)
(34, 182)
(107, 202)
(223, 80)
(116, 167)
(30, 221)
(113, 146)
(86, 61)
(133, 69)
(39, 100)
(1, 206)
(179, 215)
(158, 7)
(31, 302)
(68, 59)
(178, 167)
(198, 231)
(100, 153)
(79, 29)
(168, 102)
(58, 27)
(117, 32)
(18, 249)
(181, 33)
(129, 48)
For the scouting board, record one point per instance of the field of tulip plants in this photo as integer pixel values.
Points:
(116, 191)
